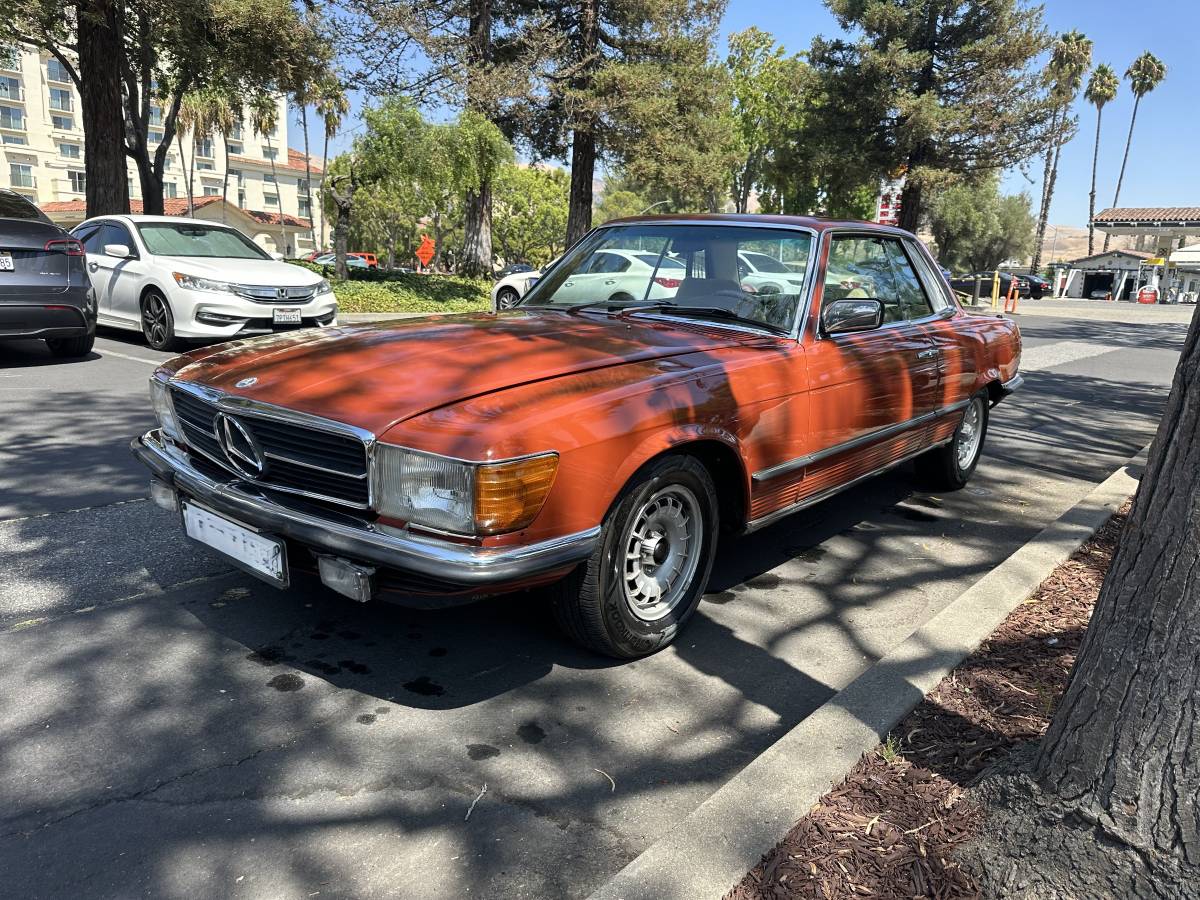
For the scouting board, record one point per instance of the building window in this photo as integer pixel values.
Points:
(302, 185)
(235, 133)
(210, 191)
(170, 189)
(20, 175)
(269, 179)
(202, 166)
(236, 175)
(69, 151)
(11, 117)
(56, 71)
(78, 182)
(12, 139)
(241, 198)
(60, 99)
(64, 123)
(269, 152)
(270, 199)
(154, 137)
(305, 208)
(234, 148)
(10, 88)
(204, 148)
(156, 115)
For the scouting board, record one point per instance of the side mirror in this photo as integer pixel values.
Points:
(120, 251)
(843, 316)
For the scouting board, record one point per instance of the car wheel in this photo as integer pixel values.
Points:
(950, 466)
(72, 347)
(646, 577)
(507, 298)
(158, 324)
(621, 297)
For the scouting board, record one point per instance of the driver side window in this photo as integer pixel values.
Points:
(860, 267)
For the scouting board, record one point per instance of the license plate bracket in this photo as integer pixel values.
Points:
(6, 263)
(286, 315)
(243, 545)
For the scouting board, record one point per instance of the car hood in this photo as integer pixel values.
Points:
(267, 272)
(376, 375)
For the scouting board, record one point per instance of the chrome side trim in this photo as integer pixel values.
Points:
(460, 564)
(769, 518)
(879, 434)
(1012, 384)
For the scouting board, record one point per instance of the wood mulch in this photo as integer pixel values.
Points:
(891, 828)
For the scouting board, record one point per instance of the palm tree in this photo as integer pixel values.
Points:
(1146, 73)
(264, 119)
(189, 120)
(1101, 89)
(332, 106)
(224, 114)
(1070, 58)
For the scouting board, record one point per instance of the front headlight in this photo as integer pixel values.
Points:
(324, 287)
(457, 496)
(196, 283)
(164, 409)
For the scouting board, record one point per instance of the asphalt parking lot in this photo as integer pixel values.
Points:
(171, 728)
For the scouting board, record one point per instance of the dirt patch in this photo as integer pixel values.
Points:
(891, 828)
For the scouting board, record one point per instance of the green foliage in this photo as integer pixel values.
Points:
(529, 213)
(622, 199)
(976, 228)
(938, 90)
(1145, 74)
(394, 292)
(1102, 87)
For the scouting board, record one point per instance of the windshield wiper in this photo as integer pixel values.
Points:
(718, 312)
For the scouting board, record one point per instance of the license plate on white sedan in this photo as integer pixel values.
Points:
(6, 263)
(258, 554)
(286, 315)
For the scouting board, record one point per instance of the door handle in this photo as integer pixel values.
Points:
(92, 267)
(611, 281)
(927, 354)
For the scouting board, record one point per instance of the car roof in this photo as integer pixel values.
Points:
(140, 219)
(816, 223)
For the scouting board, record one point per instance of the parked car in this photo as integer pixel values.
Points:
(591, 447)
(370, 259)
(330, 259)
(176, 279)
(45, 292)
(1035, 286)
(966, 284)
(507, 291)
(514, 269)
(763, 273)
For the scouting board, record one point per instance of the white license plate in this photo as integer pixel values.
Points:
(261, 555)
(287, 316)
(6, 263)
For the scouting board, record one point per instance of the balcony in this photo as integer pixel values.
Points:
(10, 62)
(11, 90)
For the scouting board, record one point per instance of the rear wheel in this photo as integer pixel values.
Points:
(72, 347)
(646, 578)
(158, 324)
(950, 466)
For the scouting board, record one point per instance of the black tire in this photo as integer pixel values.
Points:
(941, 468)
(72, 347)
(158, 322)
(590, 605)
(621, 297)
(507, 298)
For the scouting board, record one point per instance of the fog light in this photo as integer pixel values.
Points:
(348, 579)
(164, 496)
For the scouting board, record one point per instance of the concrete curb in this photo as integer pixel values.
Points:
(351, 318)
(708, 852)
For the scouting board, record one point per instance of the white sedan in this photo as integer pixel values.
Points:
(511, 288)
(174, 278)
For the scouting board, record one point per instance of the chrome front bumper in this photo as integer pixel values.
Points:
(456, 564)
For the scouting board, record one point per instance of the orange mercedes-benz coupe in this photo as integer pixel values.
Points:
(667, 380)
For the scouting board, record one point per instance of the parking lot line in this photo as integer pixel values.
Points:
(141, 359)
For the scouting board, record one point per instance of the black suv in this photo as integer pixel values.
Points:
(44, 287)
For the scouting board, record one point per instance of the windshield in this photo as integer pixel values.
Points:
(698, 270)
(193, 239)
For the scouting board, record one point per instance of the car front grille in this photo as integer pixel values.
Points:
(265, 294)
(299, 459)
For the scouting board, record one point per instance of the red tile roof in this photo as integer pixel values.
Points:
(1149, 214)
(178, 206)
(294, 162)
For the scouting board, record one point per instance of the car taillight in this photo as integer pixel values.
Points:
(670, 283)
(69, 246)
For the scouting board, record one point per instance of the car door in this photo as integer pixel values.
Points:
(91, 235)
(872, 393)
(125, 275)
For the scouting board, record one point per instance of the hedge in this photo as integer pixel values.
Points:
(385, 292)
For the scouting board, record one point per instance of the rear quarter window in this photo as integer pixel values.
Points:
(14, 206)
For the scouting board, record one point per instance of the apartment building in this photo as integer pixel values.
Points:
(41, 141)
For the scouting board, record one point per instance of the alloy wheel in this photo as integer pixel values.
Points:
(662, 549)
(970, 434)
(156, 321)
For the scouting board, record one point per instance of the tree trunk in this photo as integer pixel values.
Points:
(1124, 160)
(1043, 206)
(312, 235)
(1121, 750)
(477, 227)
(279, 200)
(910, 206)
(225, 177)
(583, 172)
(101, 107)
(321, 190)
(1092, 195)
(344, 203)
(1036, 262)
(183, 166)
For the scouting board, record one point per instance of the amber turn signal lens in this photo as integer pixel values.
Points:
(508, 495)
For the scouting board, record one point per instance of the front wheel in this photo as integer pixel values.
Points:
(158, 324)
(950, 466)
(646, 578)
(507, 298)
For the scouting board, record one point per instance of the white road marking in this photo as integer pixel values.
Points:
(1046, 356)
(106, 352)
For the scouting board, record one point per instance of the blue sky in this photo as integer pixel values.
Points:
(1163, 168)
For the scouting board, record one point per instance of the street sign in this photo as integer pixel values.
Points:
(425, 251)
